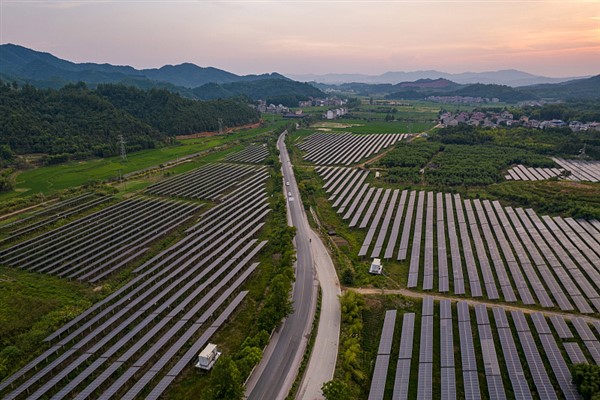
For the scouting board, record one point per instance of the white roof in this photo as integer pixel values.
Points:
(208, 350)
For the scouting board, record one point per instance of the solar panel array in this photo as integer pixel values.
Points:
(580, 170)
(383, 356)
(137, 340)
(523, 173)
(501, 253)
(54, 212)
(345, 148)
(253, 154)
(573, 170)
(498, 354)
(92, 247)
(210, 181)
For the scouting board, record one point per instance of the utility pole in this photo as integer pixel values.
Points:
(582, 152)
(122, 148)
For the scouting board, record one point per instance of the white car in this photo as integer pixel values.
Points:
(290, 194)
(287, 184)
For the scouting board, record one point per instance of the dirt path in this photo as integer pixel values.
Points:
(227, 130)
(22, 210)
(420, 295)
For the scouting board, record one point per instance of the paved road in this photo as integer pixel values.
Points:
(321, 365)
(275, 374)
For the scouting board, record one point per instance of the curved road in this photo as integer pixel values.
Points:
(275, 374)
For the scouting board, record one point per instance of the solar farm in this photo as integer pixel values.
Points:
(479, 352)
(517, 295)
(472, 247)
(136, 341)
(346, 148)
(573, 170)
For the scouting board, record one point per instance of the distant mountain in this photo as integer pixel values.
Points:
(46, 70)
(508, 77)
(579, 89)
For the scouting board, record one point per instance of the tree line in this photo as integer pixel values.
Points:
(77, 122)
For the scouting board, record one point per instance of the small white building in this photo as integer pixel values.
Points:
(376, 267)
(208, 357)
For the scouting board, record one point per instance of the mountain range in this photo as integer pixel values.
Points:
(509, 77)
(21, 63)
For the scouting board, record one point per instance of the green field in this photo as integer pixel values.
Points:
(49, 179)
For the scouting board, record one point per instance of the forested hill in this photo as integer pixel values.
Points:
(174, 115)
(78, 122)
(276, 91)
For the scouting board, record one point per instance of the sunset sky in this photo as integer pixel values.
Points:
(552, 38)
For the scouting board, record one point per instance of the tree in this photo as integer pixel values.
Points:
(6, 154)
(226, 380)
(587, 379)
(336, 390)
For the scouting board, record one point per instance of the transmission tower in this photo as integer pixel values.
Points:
(122, 148)
(220, 120)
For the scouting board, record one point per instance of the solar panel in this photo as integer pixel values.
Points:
(406, 340)
(387, 333)
(426, 344)
(559, 367)
(407, 225)
(471, 385)
(446, 343)
(541, 326)
(160, 388)
(500, 317)
(448, 383)
(445, 309)
(402, 379)
(513, 365)
(469, 362)
(575, 354)
(463, 311)
(424, 386)
(584, 331)
(536, 366)
(379, 377)
(481, 314)
(520, 321)
(427, 306)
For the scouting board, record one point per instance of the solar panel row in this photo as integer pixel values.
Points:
(520, 359)
(157, 311)
(345, 148)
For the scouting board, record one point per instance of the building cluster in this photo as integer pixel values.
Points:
(335, 113)
(262, 107)
(326, 102)
(505, 118)
(462, 99)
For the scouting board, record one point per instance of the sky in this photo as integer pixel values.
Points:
(551, 38)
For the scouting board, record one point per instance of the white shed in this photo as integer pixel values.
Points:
(208, 356)
(376, 267)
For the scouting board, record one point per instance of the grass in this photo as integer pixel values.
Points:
(50, 179)
(31, 307)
